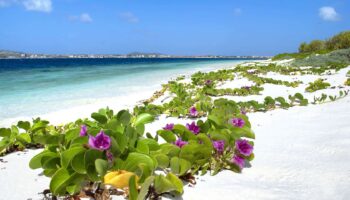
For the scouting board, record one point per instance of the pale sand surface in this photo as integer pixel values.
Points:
(300, 153)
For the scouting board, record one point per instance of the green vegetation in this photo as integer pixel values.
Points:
(318, 84)
(125, 157)
(337, 42)
(347, 82)
(338, 58)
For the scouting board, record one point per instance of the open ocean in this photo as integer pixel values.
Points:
(36, 87)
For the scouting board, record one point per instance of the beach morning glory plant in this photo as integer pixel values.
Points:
(180, 143)
(83, 131)
(237, 122)
(169, 127)
(238, 160)
(244, 147)
(219, 146)
(100, 142)
(193, 128)
(193, 111)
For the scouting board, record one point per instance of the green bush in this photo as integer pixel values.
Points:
(339, 41)
(318, 84)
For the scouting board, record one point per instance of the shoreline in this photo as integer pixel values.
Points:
(115, 102)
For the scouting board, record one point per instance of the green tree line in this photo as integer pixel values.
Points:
(339, 41)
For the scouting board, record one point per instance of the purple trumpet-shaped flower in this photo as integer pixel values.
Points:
(244, 147)
(246, 87)
(193, 128)
(109, 156)
(238, 160)
(100, 142)
(83, 130)
(243, 111)
(219, 145)
(169, 127)
(193, 111)
(208, 82)
(238, 122)
(180, 143)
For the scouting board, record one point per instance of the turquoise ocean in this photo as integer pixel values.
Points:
(38, 87)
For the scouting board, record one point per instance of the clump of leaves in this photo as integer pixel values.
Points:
(347, 82)
(318, 84)
(25, 135)
(87, 155)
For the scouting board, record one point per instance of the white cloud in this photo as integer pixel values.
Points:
(31, 5)
(328, 13)
(84, 17)
(129, 17)
(38, 5)
(237, 11)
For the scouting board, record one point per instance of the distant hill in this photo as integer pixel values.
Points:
(14, 54)
(11, 54)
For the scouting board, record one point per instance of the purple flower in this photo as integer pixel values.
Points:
(83, 130)
(219, 145)
(238, 122)
(109, 156)
(193, 111)
(243, 111)
(169, 127)
(180, 143)
(246, 87)
(100, 142)
(238, 160)
(208, 82)
(193, 128)
(244, 147)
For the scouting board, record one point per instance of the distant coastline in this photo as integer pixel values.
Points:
(20, 55)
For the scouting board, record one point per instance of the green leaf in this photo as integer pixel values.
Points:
(24, 138)
(51, 163)
(142, 147)
(133, 194)
(39, 125)
(78, 163)
(5, 132)
(138, 161)
(69, 154)
(62, 179)
(4, 143)
(36, 161)
(90, 156)
(168, 136)
(143, 118)
(57, 184)
(124, 117)
(24, 125)
(145, 188)
(72, 134)
(162, 185)
(176, 182)
(101, 166)
(99, 118)
(179, 166)
(162, 160)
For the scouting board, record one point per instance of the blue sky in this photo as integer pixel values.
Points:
(181, 27)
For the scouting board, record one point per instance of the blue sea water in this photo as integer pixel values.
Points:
(35, 87)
